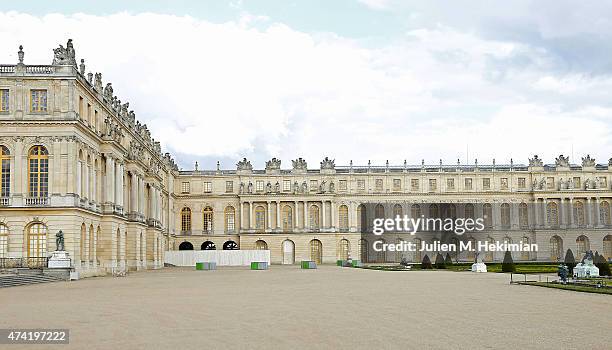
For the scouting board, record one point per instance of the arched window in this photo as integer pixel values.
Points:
(398, 253)
(5, 172)
(471, 255)
(579, 213)
(363, 248)
(3, 241)
(607, 247)
(208, 245)
(452, 211)
(523, 215)
(38, 172)
(260, 218)
(230, 219)
(455, 253)
(434, 212)
(344, 249)
(362, 222)
(604, 213)
(582, 246)
(487, 213)
(314, 217)
(207, 220)
(415, 211)
(316, 251)
(91, 243)
(287, 218)
(37, 245)
(469, 211)
(343, 223)
(556, 248)
(186, 246)
(83, 243)
(505, 215)
(185, 221)
(379, 211)
(288, 252)
(552, 214)
(261, 245)
(488, 256)
(418, 255)
(525, 253)
(397, 211)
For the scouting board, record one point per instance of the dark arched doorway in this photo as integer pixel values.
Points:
(186, 246)
(208, 245)
(230, 245)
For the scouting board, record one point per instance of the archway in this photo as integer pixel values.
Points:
(261, 245)
(288, 252)
(316, 251)
(186, 246)
(344, 249)
(230, 245)
(208, 245)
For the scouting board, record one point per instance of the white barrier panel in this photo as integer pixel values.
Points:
(221, 257)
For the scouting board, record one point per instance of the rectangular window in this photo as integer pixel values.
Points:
(342, 185)
(229, 186)
(4, 100)
(486, 183)
(550, 182)
(414, 184)
(185, 187)
(259, 185)
(361, 185)
(603, 183)
(433, 185)
(397, 184)
(38, 100)
(450, 184)
(577, 182)
(468, 183)
(286, 185)
(521, 183)
(503, 183)
(81, 115)
(89, 113)
(5, 177)
(207, 187)
(378, 185)
(314, 185)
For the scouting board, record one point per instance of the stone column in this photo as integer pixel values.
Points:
(87, 190)
(241, 215)
(117, 183)
(108, 180)
(332, 209)
(305, 215)
(588, 213)
(534, 213)
(133, 192)
(94, 196)
(141, 202)
(323, 216)
(296, 216)
(268, 215)
(597, 217)
(571, 212)
(544, 213)
(113, 175)
(278, 218)
(251, 215)
(79, 173)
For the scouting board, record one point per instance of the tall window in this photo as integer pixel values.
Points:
(207, 187)
(414, 184)
(607, 247)
(397, 184)
(316, 251)
(556, 248)
(582, 245)
(185, 220)
(343, 218)
(3, 241)
(5, 172)
(552, 214)
(379, 211)
(468, 183)
(38, 172)
(4, 100)
(208, 220)
(469, 211)
(185, 188)
(287, 218)
(450, 184)
(579, 214)
(37, 241)
(230, 219)
(344, 249)
(433, 211)
(433, 185)
(314, 217)
(38, 100)
(486, 183)
(525, 253)
(604, 213)
(415, 211)
(487, 212)
(523, 215)
(260, 218)
(229, 186)
(521, 183)
(397, 211)
(378, 185)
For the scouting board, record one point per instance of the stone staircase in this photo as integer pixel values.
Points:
(22, 277)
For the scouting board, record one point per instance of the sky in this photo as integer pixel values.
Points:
(352, 80)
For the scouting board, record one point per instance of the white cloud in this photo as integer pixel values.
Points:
(257, 87)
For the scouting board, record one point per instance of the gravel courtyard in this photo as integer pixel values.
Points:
(328, 308)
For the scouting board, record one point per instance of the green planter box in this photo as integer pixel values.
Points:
(259, 265)
(357, 263)
(199, 266)
(206, 266)
(339, 262)
(308, 265)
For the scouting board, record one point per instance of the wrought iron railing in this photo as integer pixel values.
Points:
(30, 262)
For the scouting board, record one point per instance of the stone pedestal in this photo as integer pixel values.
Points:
(479, 267)
(59, 260)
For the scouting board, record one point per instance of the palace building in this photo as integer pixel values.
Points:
(75, 158)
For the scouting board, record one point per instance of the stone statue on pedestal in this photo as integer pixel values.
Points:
(59, 241)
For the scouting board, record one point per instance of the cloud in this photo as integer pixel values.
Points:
(258, 88)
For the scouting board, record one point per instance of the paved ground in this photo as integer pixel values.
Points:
(329, 308)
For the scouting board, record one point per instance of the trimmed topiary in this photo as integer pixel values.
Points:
(448, 261)
(440, 262)
(602, 264)
(508, 263)
(570, 261)
(426, 263)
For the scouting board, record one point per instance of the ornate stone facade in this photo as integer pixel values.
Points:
(121, 202)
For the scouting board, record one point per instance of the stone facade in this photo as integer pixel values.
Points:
(121, 203)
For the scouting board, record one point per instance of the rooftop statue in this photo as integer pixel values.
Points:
(562, 161)
(64, 56)
(328, 163)
(536, 161)
(300, 164)
(273, 164)
(588, 161)
(244, 164)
